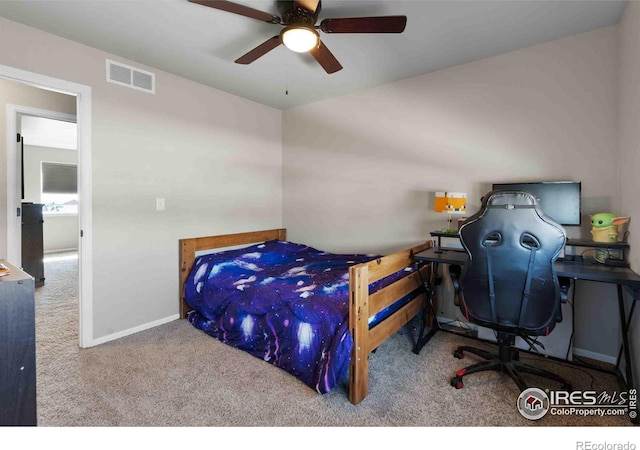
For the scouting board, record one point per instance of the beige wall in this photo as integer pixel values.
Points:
(360, 171)
(629, 141)
(216, 158)
(12, 93)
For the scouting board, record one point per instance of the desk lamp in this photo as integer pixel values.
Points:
(451, 203)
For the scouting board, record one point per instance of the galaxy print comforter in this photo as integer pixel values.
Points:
(282, 302)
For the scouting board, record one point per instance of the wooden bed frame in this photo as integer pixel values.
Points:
(361, 305)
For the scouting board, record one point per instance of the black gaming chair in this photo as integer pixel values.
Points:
(509, 283)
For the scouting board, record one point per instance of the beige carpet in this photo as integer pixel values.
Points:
(175, 375)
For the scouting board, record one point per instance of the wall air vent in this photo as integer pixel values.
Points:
(132, 77)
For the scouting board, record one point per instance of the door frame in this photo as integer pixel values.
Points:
(85, 222)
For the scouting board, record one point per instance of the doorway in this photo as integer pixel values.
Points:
(82, 96)
(49, 250)
(46, 153)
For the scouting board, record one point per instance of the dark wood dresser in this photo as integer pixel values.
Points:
(33, 241)
(17, 348)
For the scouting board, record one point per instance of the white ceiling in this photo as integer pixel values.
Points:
(201, 43)
(44, 132)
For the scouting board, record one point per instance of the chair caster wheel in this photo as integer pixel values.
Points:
(458, 354)
(456, 382)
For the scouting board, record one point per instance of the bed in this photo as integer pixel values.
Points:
(315, 314)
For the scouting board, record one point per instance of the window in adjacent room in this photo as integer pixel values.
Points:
(59, 188)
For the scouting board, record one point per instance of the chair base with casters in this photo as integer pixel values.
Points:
(507, 361)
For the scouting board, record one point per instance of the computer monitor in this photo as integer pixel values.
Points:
(559, 200)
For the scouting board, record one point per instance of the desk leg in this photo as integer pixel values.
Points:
(625, 322)
(435, 326)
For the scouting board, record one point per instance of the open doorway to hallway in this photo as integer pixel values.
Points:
(49, 188)
(49, 250)
(17, 88)
(45, 157)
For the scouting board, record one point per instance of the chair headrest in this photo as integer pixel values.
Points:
(506, 198)
(513, 212)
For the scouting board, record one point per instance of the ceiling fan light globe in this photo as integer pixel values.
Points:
(300, 39)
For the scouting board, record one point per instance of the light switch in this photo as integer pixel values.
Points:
(159, 204)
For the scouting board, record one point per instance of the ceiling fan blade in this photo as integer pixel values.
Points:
(239, 9)
(309, 5)
(326, 59)
(383, 24)
(259, 51)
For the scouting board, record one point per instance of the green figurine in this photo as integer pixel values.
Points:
(604, 226)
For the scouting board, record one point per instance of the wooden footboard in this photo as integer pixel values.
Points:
(361, 305)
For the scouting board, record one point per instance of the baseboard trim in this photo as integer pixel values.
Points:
(60, 250)
(594, 355)
(123, 333)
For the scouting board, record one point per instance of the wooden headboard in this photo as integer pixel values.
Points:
(189, 247)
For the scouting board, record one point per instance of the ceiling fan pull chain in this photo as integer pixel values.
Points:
(286, 73)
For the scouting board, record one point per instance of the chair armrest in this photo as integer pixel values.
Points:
(455, 271)
(565, 284)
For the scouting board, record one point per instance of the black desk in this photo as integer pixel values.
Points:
(623, 277)
(571, 243)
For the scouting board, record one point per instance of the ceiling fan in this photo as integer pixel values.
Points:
(300, 33)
